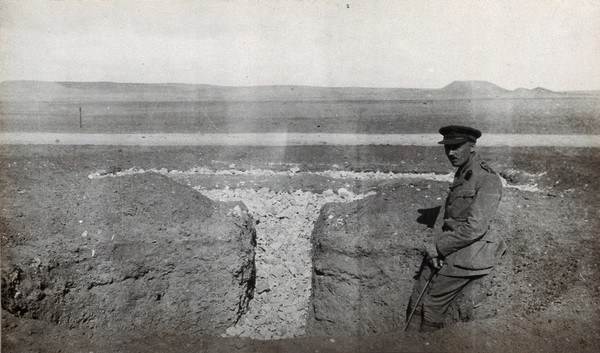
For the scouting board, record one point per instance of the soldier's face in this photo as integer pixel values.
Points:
(459, 154)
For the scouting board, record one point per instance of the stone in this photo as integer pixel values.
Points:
(263, 286)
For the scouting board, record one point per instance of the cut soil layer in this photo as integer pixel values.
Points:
(363, 267)
(129, 254)
(543, 297)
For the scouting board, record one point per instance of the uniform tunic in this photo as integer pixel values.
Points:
(467, 244)
(469, 248)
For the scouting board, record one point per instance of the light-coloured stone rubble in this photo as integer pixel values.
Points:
(284, 222)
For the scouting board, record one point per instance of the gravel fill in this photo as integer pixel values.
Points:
(284, 222)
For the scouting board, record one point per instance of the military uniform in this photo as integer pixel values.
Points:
(467, 244)
(463, 238)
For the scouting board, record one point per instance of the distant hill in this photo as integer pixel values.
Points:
(537, 92)
(474, 89)
(111, 91)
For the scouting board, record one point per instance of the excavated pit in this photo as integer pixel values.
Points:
(256, 262)
(284, 223)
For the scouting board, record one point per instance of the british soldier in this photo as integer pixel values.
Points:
(462, 247)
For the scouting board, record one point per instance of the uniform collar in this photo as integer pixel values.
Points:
(473, 160)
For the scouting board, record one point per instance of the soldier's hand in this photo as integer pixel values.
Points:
(436, 262)
(430, 250)
(431, 254)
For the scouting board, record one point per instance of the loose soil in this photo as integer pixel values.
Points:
(548, 295)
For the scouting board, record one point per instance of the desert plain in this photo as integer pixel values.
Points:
(286, 247)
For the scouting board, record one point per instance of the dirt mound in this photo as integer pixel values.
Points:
(135, 253)
(365, 254)
(365, 257)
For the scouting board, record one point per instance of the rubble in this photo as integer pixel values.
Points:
(284, 223)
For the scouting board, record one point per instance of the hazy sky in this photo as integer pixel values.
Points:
(424, 44)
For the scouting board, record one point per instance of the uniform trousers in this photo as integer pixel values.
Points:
(437, 297)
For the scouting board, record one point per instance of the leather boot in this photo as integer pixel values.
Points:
(427, 326)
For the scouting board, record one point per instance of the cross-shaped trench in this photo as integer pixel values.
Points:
(283, 265)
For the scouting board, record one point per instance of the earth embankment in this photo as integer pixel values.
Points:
(364, 257)
(366, 253)
(140, 253)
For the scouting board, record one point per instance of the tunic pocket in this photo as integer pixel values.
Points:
(477, 256)
(459, 202)
(481, 255)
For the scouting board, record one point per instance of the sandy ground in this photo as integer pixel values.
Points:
(564, 178)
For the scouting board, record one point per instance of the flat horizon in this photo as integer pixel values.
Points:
(381, 44)
(299, 85)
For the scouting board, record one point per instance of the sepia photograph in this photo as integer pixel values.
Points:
(299, 176)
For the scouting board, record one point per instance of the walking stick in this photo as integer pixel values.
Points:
(412, 312)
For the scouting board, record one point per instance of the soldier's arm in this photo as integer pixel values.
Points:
(429, 241)
(439, 221)
(479, 217)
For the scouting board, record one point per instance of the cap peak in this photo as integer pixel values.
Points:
(455, 134)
